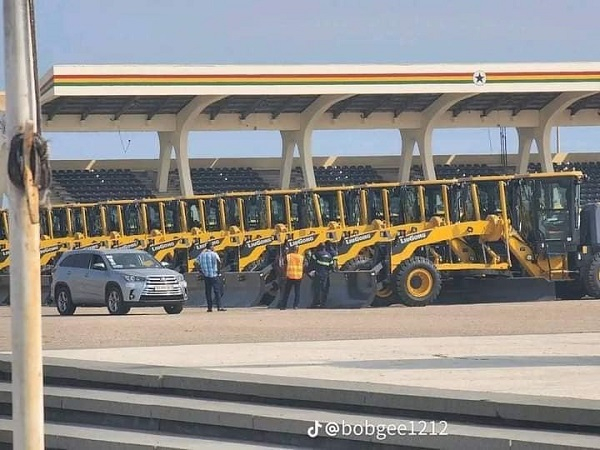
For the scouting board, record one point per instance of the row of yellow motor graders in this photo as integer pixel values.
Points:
(489, 237)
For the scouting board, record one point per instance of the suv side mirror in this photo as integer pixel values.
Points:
(165, 264)
(99, 266)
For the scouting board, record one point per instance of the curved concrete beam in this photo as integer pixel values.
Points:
(179, 139)
(289, 140)
(541, 134)
(422, 136)
(165, 143)
(308, 118)
(317, 108)
(190, 112)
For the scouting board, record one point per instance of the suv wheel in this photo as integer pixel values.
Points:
(64, 303)
(174, 309)
(114, 301)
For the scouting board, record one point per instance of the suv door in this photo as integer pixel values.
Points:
(95, 280)
(74, 269)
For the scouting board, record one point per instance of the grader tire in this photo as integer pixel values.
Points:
(590, 275)
(385, 297)
(417, 282)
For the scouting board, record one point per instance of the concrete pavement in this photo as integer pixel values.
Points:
(561, 365)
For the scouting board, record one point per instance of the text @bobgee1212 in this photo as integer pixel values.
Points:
(379, 431)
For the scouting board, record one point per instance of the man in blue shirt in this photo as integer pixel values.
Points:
(209, 262)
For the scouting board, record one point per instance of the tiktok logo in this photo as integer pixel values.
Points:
(313, 431)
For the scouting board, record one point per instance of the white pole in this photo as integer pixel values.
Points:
(25, 288)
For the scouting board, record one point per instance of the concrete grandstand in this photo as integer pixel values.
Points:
(173, 101)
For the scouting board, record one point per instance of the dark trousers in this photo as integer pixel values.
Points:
(289, 283)
(213, 284)
(320, 290)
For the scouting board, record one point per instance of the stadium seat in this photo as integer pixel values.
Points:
(100, 185)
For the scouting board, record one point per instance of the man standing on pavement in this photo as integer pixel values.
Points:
(294, 269)
(209, 263)
(322, 265)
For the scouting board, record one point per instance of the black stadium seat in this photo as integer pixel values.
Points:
(101, 185)
(221, 180)
(121, 184)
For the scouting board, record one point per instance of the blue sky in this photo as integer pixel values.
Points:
(311, 31)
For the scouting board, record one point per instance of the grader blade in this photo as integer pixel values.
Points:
(351, 289)
(45, 299)
(240, 290)
(4, 290)
(46, 289)
(494, 290)
(356, 289)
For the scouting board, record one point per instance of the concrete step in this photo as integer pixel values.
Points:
(365, 398)
(79, 437)
(284, 425)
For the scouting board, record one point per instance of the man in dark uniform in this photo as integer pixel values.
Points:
(322, 263)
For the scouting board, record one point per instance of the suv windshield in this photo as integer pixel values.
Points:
(132, 261)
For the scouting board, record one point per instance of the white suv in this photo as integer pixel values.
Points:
(117, 279)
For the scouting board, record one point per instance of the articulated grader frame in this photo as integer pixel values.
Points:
(393, 243)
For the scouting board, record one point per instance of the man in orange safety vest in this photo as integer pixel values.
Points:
(294, 269)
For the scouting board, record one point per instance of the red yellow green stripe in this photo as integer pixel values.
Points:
(315, 79)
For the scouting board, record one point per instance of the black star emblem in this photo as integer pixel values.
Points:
(479, 77)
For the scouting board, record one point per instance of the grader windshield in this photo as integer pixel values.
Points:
(476, 201)
(132, 222)
(254, 216)
(172, 213)
(352, 207)
(212, 214)
(3, 226)
(303, 213)
(330, 207)
(404, 205)
(193, 215)
(375, 210)
(60, 223)
(278, 209)
(94, 221)
(435, 204)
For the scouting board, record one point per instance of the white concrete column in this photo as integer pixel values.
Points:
(542, 140)
(426, 152)
(288, 145)
(422, 136)
(548, 116)
(308, 120)
(164, 165)
(180, 142)
(306, 158)
(185, 122)
(406, 154)
(526, 137)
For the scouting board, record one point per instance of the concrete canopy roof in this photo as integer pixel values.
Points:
(149, 97)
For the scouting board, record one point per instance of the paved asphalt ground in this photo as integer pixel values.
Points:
(94, 328)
